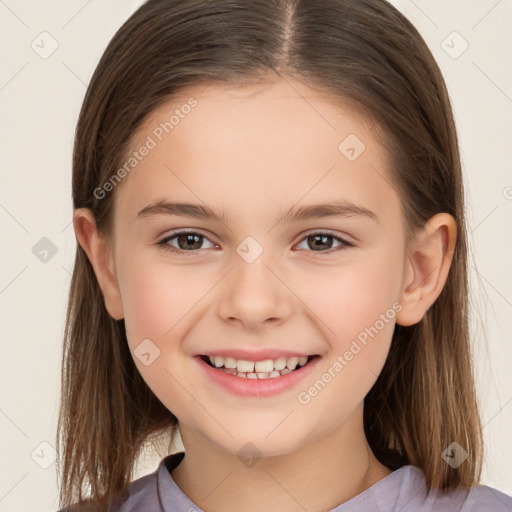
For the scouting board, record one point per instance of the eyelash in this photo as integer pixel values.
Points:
(163, 244)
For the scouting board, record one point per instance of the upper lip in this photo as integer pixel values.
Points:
(255, 355)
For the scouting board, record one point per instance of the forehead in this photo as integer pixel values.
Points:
(275, 102)
(280, 141)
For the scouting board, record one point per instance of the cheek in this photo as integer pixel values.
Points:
(162, 300)
(154, 298)
(357, 314)
(352, 296)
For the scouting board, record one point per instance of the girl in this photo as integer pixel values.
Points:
(272, 258)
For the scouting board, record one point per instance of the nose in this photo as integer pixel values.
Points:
(254, 294)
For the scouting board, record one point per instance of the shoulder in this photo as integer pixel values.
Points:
(146, 493)
(141, 494)
(483, 497)
(474, 499)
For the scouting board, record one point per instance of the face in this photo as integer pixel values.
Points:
(259, 283)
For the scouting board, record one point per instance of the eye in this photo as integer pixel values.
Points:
(321, 239)
(185, 239)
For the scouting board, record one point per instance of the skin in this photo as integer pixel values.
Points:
(255, 152)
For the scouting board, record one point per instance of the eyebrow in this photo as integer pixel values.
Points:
(305, 212)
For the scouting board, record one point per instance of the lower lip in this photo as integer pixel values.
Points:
(257, 387)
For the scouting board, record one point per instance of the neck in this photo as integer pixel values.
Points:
(319, 475)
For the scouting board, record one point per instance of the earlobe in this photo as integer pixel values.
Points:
(427, 264)
(100, 255)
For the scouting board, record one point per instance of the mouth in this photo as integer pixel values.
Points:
(261, 370)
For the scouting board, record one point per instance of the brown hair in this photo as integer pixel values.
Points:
(364, 52)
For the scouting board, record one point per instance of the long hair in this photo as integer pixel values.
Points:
(361, 52)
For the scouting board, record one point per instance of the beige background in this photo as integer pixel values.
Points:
(39, 103)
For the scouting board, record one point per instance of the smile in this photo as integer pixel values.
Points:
(262, 377)
(266, 369)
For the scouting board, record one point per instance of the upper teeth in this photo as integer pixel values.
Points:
(267, 365)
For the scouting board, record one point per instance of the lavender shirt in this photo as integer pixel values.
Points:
(399, 491)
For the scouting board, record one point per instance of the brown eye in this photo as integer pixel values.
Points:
(186, 241)
(322, 242)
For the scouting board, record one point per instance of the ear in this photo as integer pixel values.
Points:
(100, 255)
(428, 261)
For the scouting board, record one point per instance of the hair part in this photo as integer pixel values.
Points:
(363, 53)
